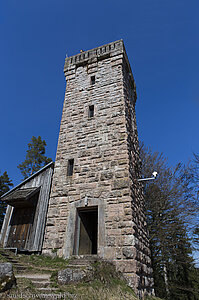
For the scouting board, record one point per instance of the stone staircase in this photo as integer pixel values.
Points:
(41, 282)
(13, 260)
(79, 269)
(82, 260)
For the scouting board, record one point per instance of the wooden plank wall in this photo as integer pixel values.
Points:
(36, 235)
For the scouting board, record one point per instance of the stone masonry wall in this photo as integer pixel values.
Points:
(105, 153)
(143, 274)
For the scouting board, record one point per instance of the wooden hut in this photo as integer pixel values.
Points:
(24, 222)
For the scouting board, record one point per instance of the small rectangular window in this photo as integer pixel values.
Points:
(70, 167)
(91, 111)
(92, 79)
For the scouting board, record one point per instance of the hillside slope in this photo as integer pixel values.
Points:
(37, 279)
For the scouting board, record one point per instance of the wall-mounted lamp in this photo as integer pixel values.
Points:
(150, 178)
(86, 201)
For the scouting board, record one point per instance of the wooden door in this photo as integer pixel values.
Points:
(21, 223)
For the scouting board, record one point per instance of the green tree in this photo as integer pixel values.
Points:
(170, 209)
(196, 236)
(35, 157)
(5, 184)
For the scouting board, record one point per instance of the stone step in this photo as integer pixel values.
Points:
(40, 281)
(85, 257)
(19, 268)
(4, 254)
(41, 284)
(16, 264)
(40, 277)
(7, 256)
(80, 262)
(14, 261)
(47, 290)
(77, 266)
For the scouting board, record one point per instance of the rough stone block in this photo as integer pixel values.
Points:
(126, 266)
(7, 278)
(74, 275)
(120, 184)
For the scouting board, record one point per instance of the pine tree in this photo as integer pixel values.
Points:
(170, 207)
(35, 157)
(5, 184)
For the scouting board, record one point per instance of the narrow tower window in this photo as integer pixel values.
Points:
(70, 167)
(92, 79)
(91, 111)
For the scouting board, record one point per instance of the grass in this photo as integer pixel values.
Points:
(104, 284)
(2, 258)
(42, 261)
(24, 288)
(39, 263)
(152, 298)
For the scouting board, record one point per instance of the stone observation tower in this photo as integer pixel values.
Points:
(95, 205)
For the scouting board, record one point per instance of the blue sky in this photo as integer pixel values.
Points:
(162, 43)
